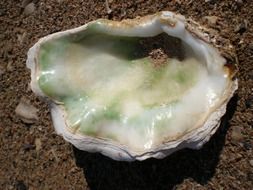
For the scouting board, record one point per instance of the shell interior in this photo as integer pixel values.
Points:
(135, 85)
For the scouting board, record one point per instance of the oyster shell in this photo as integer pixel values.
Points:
(135, 89)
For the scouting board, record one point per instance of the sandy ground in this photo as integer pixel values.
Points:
(32, 156)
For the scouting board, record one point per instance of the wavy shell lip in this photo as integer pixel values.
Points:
(204, 47)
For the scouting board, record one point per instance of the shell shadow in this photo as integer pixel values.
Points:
(104, 173)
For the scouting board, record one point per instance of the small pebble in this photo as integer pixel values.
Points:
(242, 27)
(10, 66)
(211, 20)
(20, 185)
(249, 102)
(38, 144)
(239, 2)
(26, 111)
(2, 70)
(178, 2)
(123, 12)
(21, 37)
(250, 176)
(107, 7)
(25, 3)
(55, 155)
(29, 9)
(28, 146)
(2, 12)
(236, 134)
(251, 162)
(251, 45)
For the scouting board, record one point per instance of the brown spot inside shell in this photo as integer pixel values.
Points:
(158, 57)
(160, 48)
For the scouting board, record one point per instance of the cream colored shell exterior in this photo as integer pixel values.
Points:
(193, 139)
